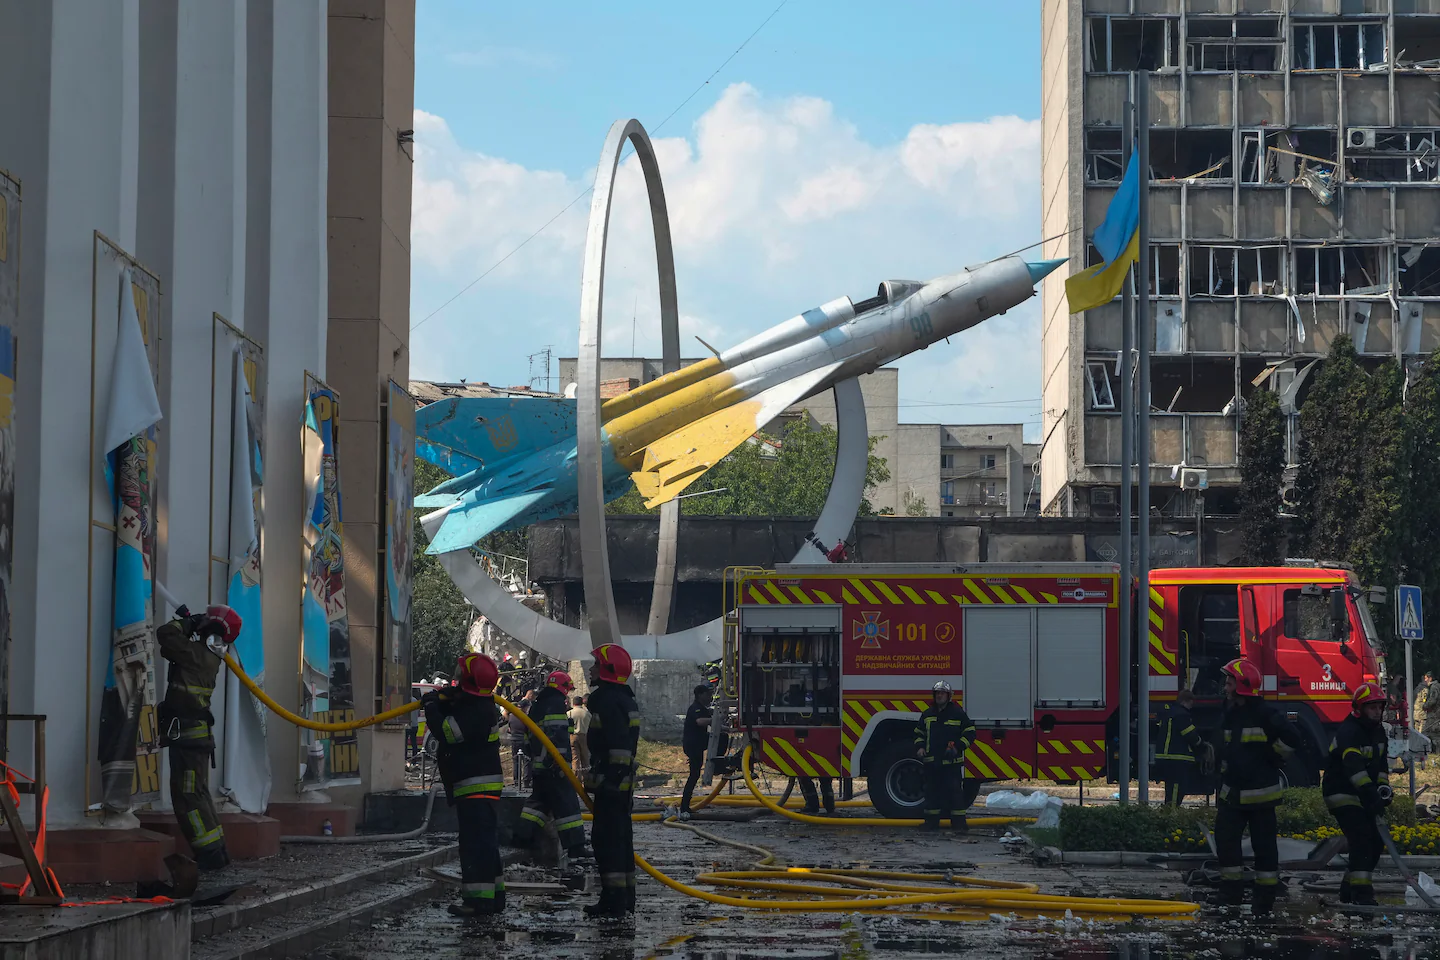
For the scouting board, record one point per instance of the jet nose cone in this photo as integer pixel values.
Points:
(1041, 269)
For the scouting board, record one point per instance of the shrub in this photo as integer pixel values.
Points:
(1302, 814)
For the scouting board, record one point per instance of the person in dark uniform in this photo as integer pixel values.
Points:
(517, 735)
(1178, 747)
(814, 800)
(186, 724)
(614, 737)
(1257, 741)
(942, 735)
(466, 723)
(1356, 788)
(552, 795)
(695, 740)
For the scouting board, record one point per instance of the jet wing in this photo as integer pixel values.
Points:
(678, 459)
(467, 523)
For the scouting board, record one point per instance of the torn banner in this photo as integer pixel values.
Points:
(130, 681)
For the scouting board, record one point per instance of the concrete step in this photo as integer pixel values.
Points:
(248, 836)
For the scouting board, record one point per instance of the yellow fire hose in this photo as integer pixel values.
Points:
(988, 895)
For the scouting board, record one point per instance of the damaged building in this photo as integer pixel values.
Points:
(1294, 196)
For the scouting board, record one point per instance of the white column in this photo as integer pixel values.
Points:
(294, 337)
(72, 71)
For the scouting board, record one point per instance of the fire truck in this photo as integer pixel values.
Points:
(829, 666)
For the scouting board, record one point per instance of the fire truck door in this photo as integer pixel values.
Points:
(1311, 660)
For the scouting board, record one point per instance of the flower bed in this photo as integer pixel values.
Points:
(1302, 814)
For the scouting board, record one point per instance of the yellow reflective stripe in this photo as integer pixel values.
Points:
(1059, 747)
(775, 592)
(776, 761)
(1025, 595)
(864, 591)
(755, 595)
(860, 709)
(1360, 779)
(914, 597)
(888, 593)
(1082, 746)
(936, 597)
(847, 596)
(797, 757)
(800, 595)
(823, 597)
(1000, 592)
(994, 758)
(980, 595)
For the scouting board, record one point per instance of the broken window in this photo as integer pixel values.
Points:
(1419, 41)
(1334, 270)
(1420, 271)
(1186, 154)
(1165, 269)
(1259, 163)
(1212, 271)
(1259, 271)
(1192, 385)
(1103, 156)
(1317, 271)
(1125, 44)
(1391, 156)
(1097, 376)
(1249, 45)
(1346, 46)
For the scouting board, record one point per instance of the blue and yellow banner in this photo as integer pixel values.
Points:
(1118, 241)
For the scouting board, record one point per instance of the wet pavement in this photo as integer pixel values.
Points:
(670, 924)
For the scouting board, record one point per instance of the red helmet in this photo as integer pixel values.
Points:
(478, 674)
(561, 681)
(1367, 693)
(221, 622)
(1246, 675)
(612, 663)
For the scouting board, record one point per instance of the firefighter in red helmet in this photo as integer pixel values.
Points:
(186, 723)
(551, 796)
(466, 723)
(1256, 742)
(1357, 789)
(613, 738)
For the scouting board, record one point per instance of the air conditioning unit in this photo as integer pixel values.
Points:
(1360, 138)
(1103, 497)
(1192, 479)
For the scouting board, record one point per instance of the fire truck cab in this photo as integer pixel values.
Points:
(832, 665)
(1308, 629)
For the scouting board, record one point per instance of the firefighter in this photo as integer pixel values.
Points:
(614, 736)
(552, 796)
(1178, 747)
(812, 799)
(942, 735)
(1256, 743)
(1357, 789)
(186, 722)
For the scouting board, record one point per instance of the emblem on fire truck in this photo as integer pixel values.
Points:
(871, 630)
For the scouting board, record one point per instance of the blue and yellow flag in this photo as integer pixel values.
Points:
(1118, 240)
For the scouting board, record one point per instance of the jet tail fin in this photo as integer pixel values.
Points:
(678, 459)
(468, 522)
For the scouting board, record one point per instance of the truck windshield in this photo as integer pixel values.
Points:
(1371, 636)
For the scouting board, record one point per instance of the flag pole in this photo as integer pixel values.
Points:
(1127, 462)
(1145, 331)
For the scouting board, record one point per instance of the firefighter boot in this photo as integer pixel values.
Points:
(958, 823)
(1362, 894)
(1231, 893)
(611, 905)
(1264, 901)
(1346, 894)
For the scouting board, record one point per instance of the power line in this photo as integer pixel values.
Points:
(586, 192)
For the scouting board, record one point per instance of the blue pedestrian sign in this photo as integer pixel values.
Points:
(1409, 614)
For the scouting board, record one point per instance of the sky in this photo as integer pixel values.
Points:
(846, 143)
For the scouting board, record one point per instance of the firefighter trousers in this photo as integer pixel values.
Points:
(195, 808)
(551, 796)
(826, 794)
(1230, 824)
(697, 767)
(481, 882)
(1175, 775)
(1363, 838)
(942, 792)
(612, 836)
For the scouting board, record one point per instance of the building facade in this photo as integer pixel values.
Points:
(1294, 196)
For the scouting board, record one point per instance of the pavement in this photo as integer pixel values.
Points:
(671, 925)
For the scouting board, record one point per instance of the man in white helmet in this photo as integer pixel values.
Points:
(942, 735)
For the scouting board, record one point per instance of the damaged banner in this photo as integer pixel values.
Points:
(399, 543)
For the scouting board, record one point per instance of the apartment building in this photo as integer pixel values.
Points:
(1294, 196)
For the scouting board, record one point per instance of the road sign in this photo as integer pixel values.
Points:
(1409, 614)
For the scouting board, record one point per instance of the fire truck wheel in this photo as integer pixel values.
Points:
(897, 781)
(969, 790)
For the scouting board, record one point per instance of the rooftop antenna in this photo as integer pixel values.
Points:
(541, 359)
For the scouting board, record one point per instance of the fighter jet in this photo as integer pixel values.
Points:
(514, 461)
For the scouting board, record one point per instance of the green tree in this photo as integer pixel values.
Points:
(915, 506)
(439, 614)
(1262, 471)
(767, 476)
(1422, 558)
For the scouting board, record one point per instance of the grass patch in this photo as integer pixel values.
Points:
(1043, 836)
(657, 758)
(1156, 829)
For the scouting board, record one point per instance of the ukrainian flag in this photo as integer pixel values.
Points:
(1118, 240)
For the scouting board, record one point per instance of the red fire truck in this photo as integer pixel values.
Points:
(830, 665)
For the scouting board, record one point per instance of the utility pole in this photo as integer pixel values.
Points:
(1145, 331)
(1127, 463)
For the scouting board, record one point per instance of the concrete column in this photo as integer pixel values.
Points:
(371, 99)
(71, 68)
(291, 321)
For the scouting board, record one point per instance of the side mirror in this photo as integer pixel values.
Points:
(1339, 616)
(1377, 595)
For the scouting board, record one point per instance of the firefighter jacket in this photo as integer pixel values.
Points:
(1256, 742)
(185, 718)
(468, 730)
(944, 733)
(1176, 739)
(550, 713)
(613, 738)
(1358, 763)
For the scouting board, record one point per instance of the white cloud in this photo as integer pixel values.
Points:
(775, 205)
